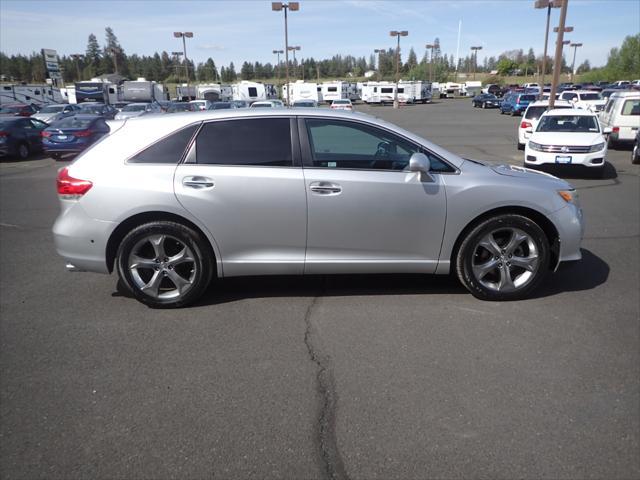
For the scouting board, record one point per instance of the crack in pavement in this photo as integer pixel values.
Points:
(330, 455)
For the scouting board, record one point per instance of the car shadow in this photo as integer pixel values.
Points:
(580, 171)
(585, 274)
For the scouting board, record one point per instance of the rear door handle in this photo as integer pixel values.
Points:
(325, 188)
(197, 182)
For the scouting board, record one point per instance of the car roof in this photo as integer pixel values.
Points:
(571, 111)
(545, 103)
(626, 93)
(12, 119)
(579, 91)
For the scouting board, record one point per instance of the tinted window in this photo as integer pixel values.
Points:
(256, 141)
(332, 89)
(167, 150)
(253, 92)
(52, 109)
(589, 96)
(386, 90)
(527, 98)
(350, 145)
(568, 123)
(73, 122)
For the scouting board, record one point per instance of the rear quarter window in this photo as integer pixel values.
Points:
(631, 107)
(168, 150)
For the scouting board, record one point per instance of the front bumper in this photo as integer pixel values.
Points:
(569, 221)
(591, 160)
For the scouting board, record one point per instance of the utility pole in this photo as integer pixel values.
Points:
(294, 7)
(558, 58)
(278, 52)
(475, 59)
(431, 46)
(548, 4)
(184, 36)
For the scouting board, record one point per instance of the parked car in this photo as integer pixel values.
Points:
(201, 104)
(531, 116)
(493, 89)
(516, 103)
(17, 110)
(175, 107)
(240, 103)
(106, 111)
(120, 105)
(485, 100)
(20, 136)
(221, 105)
(267, 104)
(341, 104)
(622, 116)
(73, 134)
(568, 137)
(51, 113)
(358, 195)
(305, 103)
(584, 99)
(635, 153)
(137, 109)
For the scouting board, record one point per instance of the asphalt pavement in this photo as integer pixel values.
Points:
(360, 377)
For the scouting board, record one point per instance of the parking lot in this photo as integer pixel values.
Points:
(360, 377)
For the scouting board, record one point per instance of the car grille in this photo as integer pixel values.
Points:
(565, 148)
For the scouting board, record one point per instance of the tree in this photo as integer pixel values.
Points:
(247, 71)
(231, 72)
(506, 66)
(584, 67)
(92, 57)
(412, 60)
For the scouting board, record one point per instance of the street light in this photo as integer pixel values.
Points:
(77, 57)
(114, 51)
(278, 52)
(184, 36)
(558, 58)
(293, 49)
(176, 57)
(548, 4)
(573, 64)
(475, 61)
(397, 34)
(379, 51)
(431, 46)
(294, 7)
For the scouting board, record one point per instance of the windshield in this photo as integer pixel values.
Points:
(91, 108)
(73, 122)
(220, 106)
(52, 109)
(589, 96)
(345, 102)
(568, 124)
(535, 112)
(134, 108)
(261, 105)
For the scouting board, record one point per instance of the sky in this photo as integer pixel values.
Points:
(242, 30)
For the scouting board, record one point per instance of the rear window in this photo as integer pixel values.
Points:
(527, 98)
(225, 143)
(631, 107)
(168, 150)
(73, 122)
(589, 96)
(13, 109)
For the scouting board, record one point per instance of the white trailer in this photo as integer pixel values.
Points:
(301, 90)
(249, 91)
(471, 88)
(334, 91)
(38, 94)
(450, 90)
(142, 90)
(214, 92)
(414, 91)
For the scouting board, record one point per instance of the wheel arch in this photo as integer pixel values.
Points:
(547, 226)
(136, 220)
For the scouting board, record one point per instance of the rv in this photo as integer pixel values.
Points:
(214, 92)
(142, 90)
(39, 94)
(415, 91)
(450, 90)
(253, 91)
(301, 90)
(95, 90)
(334, 91)
(471, 88)
(185, 93)
(378, 92)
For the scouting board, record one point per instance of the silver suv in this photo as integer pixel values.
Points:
(172, 201)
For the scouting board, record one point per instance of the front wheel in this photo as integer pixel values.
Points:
(165, 264)
(23, 151)
(503, 258)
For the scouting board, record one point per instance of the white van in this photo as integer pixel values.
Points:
(622, 115)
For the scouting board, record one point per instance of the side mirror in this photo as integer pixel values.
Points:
(419, 162)
(607, 130)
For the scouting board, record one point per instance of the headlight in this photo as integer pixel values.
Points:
(569, 196)
(535, 146)
(597, 148)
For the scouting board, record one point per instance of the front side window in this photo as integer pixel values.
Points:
(262, 142)
(351, 145)
(168, 150)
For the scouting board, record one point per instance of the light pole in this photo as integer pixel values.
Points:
(573, 64)
(379, 51)
(77, 57)
(475, 59)
(558, 58)
(294, 7)
(278, 52)
(176, 59)
(293, 49)
(114, 51)
(397, 34)
(548, 4)
(431, 46)
(184, 36)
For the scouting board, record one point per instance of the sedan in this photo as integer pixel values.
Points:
(20, 136)
(73, 134)
(137, 109)
(314, 192)
(105, 111)
(51, 113)
(175, 107)
(222, 106)
(17, 110)
(485, 100)
(342, 104)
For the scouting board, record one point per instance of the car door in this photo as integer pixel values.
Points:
(243, 179)
(366, 211)
(30, 133)
(38, 126)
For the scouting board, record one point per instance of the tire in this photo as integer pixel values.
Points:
(145, 265)
(635, 154)
(23, 151)
(513, 113)
(520, 146)
(56, 156)
(484, 105)
(611, 143)
(484, 262)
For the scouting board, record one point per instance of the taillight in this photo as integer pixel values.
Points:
(46, 134)
(71, 187)
(615, 130)
(83, 133)
(4, 134)
(525, 125)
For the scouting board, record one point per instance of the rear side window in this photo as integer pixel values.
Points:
(631, 107)
(262, 142)
(168, 150)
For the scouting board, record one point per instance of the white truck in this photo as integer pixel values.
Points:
(471, 88)
(414, 91)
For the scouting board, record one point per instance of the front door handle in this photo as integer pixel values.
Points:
(325, 188)
(197, 182)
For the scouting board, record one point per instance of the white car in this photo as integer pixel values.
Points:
(567, 137)
(531, 116)
(586, 99)
(201, 104)
(267, 104)
(622, 116)
(342, 104)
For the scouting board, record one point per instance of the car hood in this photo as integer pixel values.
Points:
(526, 175)
(555, 138)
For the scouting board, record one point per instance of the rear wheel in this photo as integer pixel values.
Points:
(484, 105)
(503, 258)
(23, 151)
(165, 264)
(635, 155)
(56, 156)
